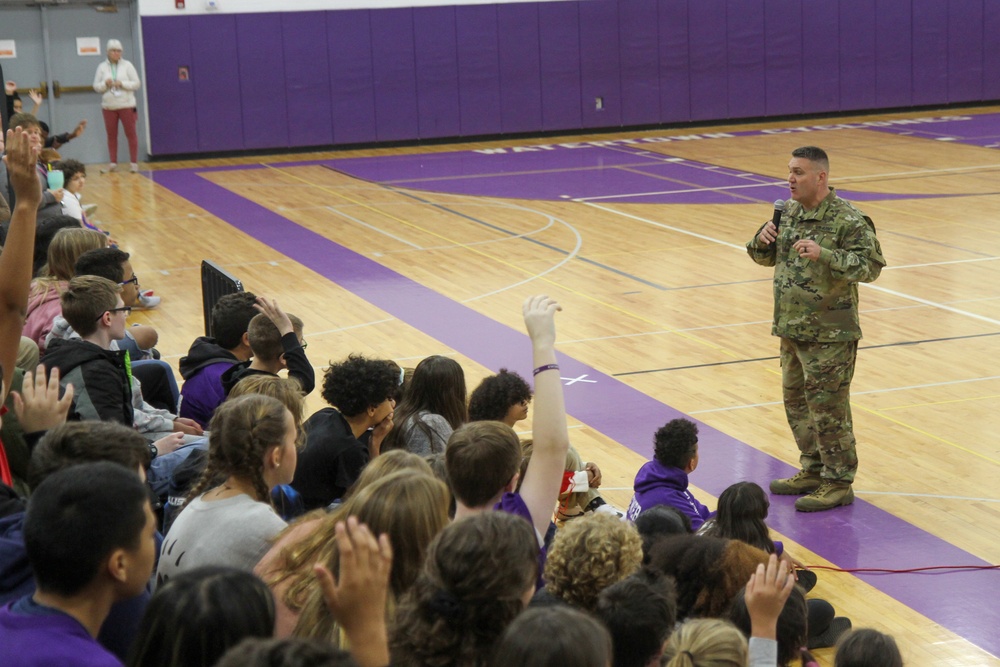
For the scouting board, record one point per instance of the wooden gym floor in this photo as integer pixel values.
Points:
(407, 252)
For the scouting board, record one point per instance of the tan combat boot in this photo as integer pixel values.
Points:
(831, 494)
(801, 482)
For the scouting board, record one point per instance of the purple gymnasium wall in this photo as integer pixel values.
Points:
(297, 79)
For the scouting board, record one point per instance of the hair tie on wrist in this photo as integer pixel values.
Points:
(546, 367)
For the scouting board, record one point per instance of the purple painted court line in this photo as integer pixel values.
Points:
(859, 535)
(610, 174)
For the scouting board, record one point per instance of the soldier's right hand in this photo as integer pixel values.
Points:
(767, 234)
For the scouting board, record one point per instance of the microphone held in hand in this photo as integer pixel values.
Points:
(779, 207)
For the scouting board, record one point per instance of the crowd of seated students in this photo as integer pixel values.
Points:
(388, 557)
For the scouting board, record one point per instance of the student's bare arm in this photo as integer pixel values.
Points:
(15, 260)
(542, 479)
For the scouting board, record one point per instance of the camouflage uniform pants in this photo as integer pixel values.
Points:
(816, 379)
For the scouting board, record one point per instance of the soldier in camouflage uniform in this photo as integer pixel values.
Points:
(824, 248)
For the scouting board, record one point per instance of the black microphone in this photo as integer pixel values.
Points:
(779, 207)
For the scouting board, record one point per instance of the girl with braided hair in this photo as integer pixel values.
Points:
(479, 575)
(228, 518)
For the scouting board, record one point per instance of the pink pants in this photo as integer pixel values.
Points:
(128, 118)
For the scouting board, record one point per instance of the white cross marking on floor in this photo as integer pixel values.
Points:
(579, 379)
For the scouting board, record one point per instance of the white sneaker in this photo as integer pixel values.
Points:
(111, 167)
(134, 168)
(148, 300)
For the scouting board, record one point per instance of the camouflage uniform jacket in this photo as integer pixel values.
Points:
(818, 300)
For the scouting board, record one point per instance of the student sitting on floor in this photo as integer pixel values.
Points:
(106, 389)
(483, 458)
(211, 356)
(229, 519)
(276, 342)
(90, 535)
(664, 480)
(361, 392)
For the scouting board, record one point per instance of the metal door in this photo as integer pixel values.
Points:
(46, 38)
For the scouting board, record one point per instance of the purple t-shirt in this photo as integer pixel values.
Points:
(36, 636)
(512, 503)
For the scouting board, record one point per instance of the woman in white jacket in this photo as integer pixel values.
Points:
(117, 79)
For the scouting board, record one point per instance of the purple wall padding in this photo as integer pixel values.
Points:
(991, 51)
(600, 65)
(520, 67)
(217, 83)
(709, 60)
(307, 79)
(822, 69)
(352, 78)
(747, 75)
(786, 66)
(893, 61)
(437, 72)
(262, 81)
(478, 69)
(396, 74)
(930, 52)
(559, 31)
(640, 62)
(675, 63)
(394, 63)
(965, 50)
(857, 55)
(172, 108)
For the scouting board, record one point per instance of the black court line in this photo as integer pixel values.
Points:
(745, 361)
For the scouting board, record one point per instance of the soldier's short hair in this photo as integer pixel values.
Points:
(813, 154)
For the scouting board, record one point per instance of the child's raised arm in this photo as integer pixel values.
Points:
(540, 488)
(16, 258)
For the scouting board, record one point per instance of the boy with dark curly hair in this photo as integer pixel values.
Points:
(361, 392)
(664, 480)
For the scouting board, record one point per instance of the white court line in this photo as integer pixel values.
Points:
(710, 327)
(951, 261)
(272, 262)
(927, 495)
(424, 356)
(916, 172)
(587, 200)
(885, 290)
(372, 227)
(353, 326)
(669, 227)
(854, 393)
(569, 257)
(869, 493)
(933, 304)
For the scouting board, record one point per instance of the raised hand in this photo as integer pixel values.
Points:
(274, 313)
(357, 598)
(21, 158)
(38, 406)
(766, 593)
(539, 318)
